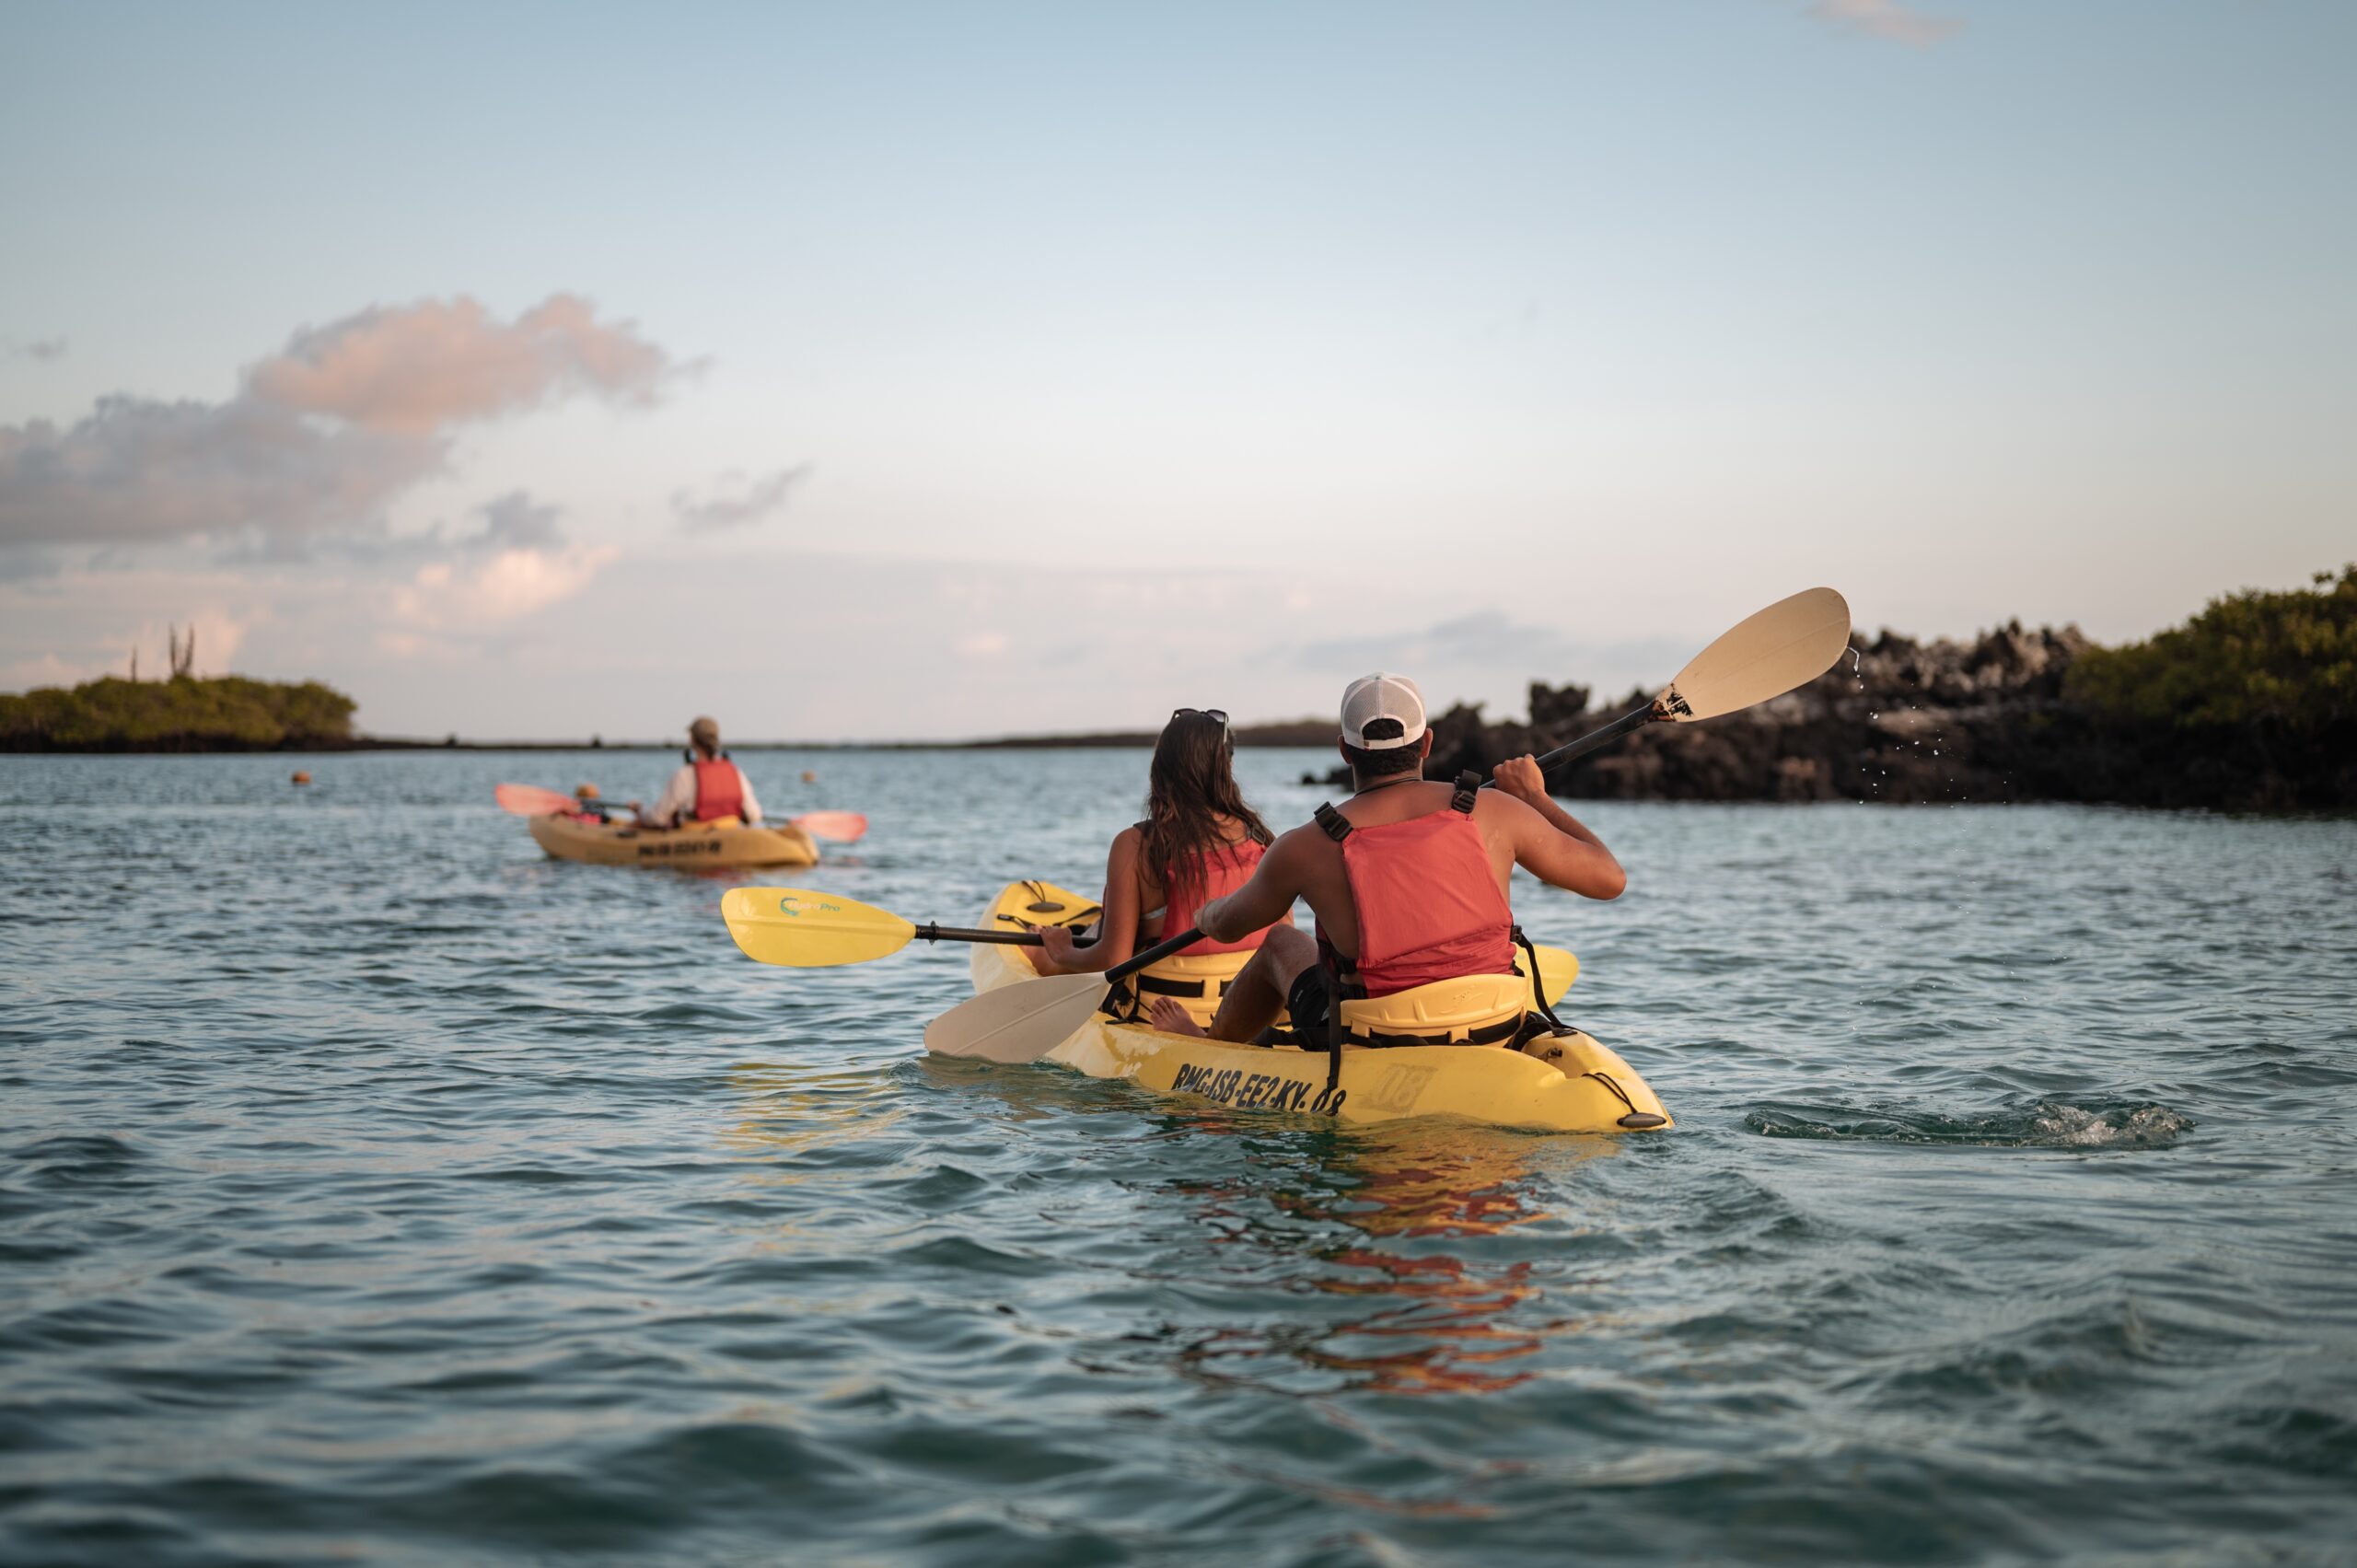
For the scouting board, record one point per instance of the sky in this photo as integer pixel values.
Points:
(900, 371)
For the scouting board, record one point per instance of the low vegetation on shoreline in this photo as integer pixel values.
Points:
(225, 713)
(2250, 704)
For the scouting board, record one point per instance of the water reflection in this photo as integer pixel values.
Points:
(1402, 1233)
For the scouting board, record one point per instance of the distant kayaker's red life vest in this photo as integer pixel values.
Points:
(1200, 877)
(1428, 902)
(720, 789)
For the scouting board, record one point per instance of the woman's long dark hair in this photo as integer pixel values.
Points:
(1191, 786)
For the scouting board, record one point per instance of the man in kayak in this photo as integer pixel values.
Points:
(708, 788)
(1408, 879)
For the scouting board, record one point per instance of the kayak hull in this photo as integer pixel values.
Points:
(693, 848)
(1570, 1083)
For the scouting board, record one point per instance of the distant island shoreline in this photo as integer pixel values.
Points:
(2251, 704)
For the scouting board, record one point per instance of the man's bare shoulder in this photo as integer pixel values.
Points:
(1292, 841)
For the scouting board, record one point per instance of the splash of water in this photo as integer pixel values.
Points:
(2040, 1124)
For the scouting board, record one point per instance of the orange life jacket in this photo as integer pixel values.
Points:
(720, 789)
(1427, 898)
(1200, 877)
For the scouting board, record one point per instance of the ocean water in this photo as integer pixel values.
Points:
(375, 1189)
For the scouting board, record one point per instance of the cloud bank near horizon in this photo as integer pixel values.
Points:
(319, 437)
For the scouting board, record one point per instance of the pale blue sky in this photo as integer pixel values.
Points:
(1128, 356)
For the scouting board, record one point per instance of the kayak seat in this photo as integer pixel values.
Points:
(1474, 1009)
(1196, 984)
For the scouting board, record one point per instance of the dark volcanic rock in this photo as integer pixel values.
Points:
(1905, 721)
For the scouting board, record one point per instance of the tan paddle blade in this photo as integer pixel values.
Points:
(1021, 1022)
(531, 800)
(1789, 644)
(804, 930)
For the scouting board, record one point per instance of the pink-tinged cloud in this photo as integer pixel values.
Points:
(422, 369)
(519, 563)
(319, 438)
(1889, 20)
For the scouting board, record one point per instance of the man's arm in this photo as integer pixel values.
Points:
(1265, 899)
(1551, 843)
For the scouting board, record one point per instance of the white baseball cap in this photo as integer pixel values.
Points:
(1380, 696)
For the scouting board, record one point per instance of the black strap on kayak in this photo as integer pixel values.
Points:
(1618, 1092)
(1537, 986)
(1333, 1031)
(1468, 790)
(1333, 823)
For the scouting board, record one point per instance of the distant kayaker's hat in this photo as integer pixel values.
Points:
(706, 732)
(586, 791)
(1382, 713)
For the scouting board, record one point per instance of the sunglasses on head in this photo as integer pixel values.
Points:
(1219, 713)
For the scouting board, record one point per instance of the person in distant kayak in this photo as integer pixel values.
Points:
(1408, 879)
(1199, 841)
(706, 789)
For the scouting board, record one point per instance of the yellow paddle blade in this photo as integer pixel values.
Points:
(807, 930)
(1789, 644)
(1021, 1022)
(1557, 969)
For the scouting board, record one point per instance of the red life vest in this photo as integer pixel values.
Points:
(1200, 877)
(1428, 900)
(720, 789)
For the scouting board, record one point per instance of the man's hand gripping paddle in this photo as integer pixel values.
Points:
(1787, 645)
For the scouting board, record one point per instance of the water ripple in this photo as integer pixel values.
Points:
(506, 1214)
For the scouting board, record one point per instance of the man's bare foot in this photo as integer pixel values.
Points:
(1173, 1019)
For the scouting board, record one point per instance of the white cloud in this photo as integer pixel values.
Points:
(503, 586)
(319, 437)
(1890, 20)
(734, 501)
(983, 645)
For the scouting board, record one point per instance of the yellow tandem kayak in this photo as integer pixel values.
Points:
(694, 846)
(1566, 1083)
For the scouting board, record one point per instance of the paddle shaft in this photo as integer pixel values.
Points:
(1627, 724)
(1154, 955)
(930, 933)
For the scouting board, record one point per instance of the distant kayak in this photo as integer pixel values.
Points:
(604, 843)
(1566, 1083)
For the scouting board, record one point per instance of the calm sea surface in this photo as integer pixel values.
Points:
(373, 1188)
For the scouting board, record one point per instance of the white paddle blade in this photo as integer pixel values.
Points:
(1021, 1022)
(1789, 644)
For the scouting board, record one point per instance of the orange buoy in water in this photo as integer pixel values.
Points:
(809, 777)
(301, 777)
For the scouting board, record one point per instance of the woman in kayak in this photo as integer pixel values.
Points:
(1199, 841)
